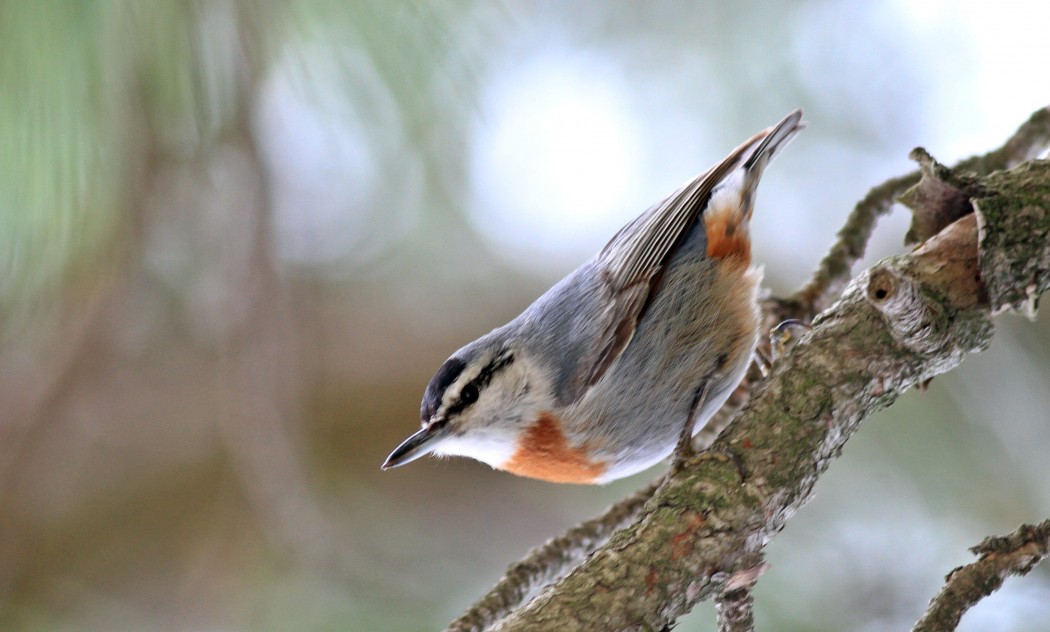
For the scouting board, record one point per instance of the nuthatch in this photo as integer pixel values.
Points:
(599, 377)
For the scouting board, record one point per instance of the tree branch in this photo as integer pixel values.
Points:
(1000, 557)
(548, 562)
(835, 269)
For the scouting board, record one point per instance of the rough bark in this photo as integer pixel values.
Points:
(897, 325)
(735, 605)
(546, 563)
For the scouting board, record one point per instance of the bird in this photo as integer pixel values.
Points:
(639, 346)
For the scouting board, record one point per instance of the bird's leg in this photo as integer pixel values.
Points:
(684, 449)
(763, 360)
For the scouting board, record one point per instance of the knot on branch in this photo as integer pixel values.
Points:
(934, 301)
(939, 198)
(1013, 221)
(916, 320)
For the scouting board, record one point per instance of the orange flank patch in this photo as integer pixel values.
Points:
(544, 453)
(727, 235)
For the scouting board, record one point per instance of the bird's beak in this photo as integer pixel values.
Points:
(420, 444)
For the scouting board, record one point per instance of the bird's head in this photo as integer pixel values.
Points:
(477, 405)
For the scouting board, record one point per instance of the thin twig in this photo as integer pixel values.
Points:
(1030, 139)
(735, 610)
(835, 269)
(1000, 557)
(549, 561)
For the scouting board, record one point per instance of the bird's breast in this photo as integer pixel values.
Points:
(545, 452)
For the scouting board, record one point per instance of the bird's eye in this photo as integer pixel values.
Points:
(468, 395)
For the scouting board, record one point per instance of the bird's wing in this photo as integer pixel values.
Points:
(633, 260)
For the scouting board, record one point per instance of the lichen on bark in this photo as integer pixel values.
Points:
(1013, 220)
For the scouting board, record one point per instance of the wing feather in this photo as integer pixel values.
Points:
(633, 260)
(643, 246)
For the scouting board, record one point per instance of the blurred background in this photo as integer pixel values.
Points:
(237, 238)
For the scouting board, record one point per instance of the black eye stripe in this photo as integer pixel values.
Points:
(497, 364)
(480, 381)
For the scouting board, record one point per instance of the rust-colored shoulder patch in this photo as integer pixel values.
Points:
(727, 235)
(544, 453)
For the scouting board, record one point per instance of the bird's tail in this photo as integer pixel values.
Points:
(772, 141)
(728, 213)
